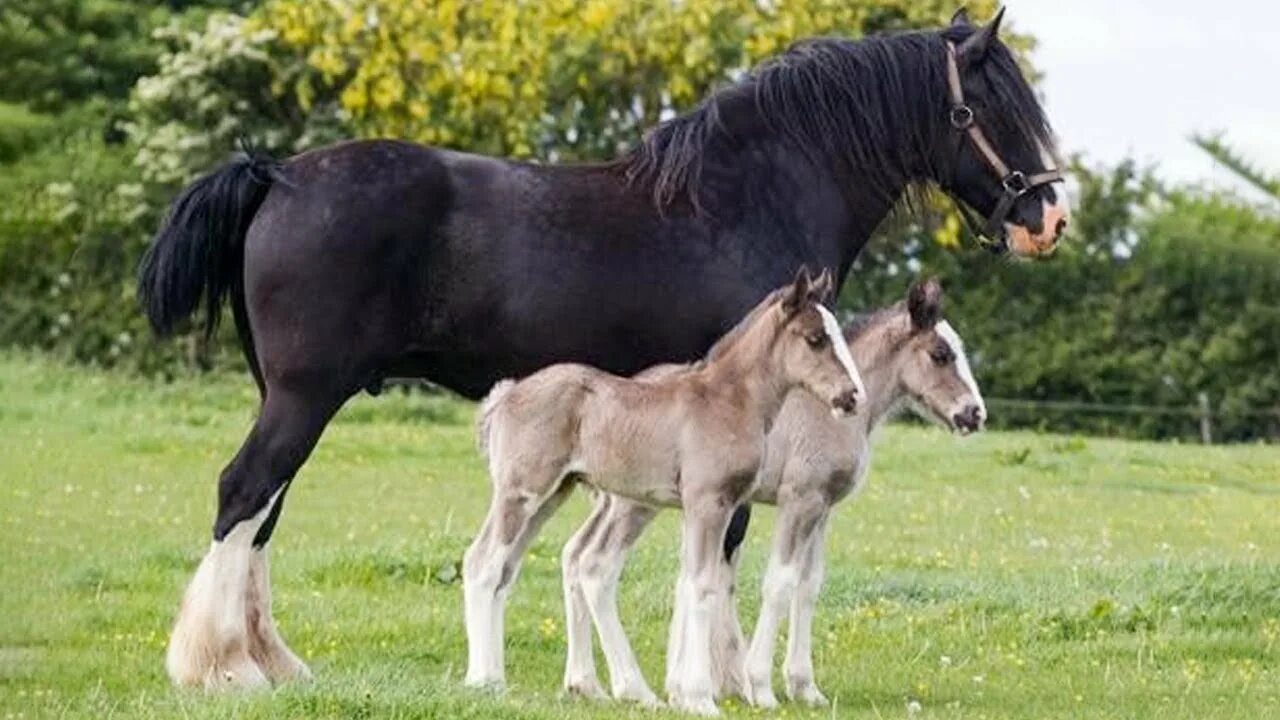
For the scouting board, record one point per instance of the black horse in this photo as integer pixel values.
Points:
(369, 260)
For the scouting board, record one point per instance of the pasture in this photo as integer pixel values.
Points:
(1010, 575)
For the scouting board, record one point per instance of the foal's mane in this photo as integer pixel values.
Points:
(735, 333)
(873, 104)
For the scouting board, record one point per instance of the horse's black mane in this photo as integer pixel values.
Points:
(871, 104)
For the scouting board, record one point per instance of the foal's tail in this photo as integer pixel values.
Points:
(199, 250)
(484, 416)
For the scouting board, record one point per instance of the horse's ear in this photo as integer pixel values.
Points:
(976, 45)
(820, 291)
(961, 18)
(924, 302)
(798, 293)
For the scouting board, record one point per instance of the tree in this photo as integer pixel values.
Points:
(1218, 149)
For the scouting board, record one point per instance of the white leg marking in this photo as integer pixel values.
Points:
(798, 667)
(600, 574)
(210, 641)
(580, 665)
(266, 646)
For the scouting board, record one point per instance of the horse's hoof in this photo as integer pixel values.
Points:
(640, 695)
(486, 684)
(761, 695)
(588, 688)
(697, 705)
(807, 693)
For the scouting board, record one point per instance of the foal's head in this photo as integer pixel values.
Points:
(811, 350)
(932, 371)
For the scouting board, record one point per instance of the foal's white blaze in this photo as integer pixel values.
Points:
(949, 336)
(842, 351)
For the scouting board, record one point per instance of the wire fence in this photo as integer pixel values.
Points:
(1202, 413)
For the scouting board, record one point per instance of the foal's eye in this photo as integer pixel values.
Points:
(941, 355)
(817, 340)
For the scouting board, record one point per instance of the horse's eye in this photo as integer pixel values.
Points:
(940, 356)
(817, 340)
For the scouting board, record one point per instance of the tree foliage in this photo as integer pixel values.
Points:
(1217, 148)
(562, 79)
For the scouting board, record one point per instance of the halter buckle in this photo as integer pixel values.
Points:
(961, 116)
(1015, 184)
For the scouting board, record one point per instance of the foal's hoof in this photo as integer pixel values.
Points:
(761, 695)
(588, 688)
(641, 695)
(807, 693)
(485, 684)
(703, 705)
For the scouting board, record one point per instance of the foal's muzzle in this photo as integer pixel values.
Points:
(969, 419)
(846, 403)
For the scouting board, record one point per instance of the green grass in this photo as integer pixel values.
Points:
(1011, 575)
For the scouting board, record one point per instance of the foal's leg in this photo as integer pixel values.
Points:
(798, 667)
(795, 518)
(491, 565)
(580, 662)
(728, 643)
(224, 636)
(600, 568)
(706, 579)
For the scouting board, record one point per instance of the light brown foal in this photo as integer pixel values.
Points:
(693, 440)
(907, 355)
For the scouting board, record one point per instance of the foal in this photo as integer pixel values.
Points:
(693, 440)
(907, 355)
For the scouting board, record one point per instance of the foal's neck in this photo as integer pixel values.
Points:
(748, 371)
(880, 377)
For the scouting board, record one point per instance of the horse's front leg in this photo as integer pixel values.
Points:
(795, 517)
(599, 569)
(705, 577)
(798, 667)
(728, 643)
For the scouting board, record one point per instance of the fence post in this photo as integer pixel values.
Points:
(1206, 420)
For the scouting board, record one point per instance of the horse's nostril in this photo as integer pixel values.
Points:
(1060, 228)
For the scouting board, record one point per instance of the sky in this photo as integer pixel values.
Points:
(1126, 78)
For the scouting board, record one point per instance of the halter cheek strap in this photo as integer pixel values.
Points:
(1013, 183)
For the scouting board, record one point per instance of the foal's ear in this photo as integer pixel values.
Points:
(797, 294)
(975, 47)
(924, 302)
(820, 291)
(961, 18)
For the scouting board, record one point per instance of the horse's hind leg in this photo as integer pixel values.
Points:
(224, 636)
(579, 664)
(490, 567)
(599, 569)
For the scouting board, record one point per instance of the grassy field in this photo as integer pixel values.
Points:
(1011, 575)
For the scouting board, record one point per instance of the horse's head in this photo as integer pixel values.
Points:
(812, 348)
(932, 369)
(996, 148)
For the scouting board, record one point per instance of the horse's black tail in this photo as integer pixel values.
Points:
(199, 250)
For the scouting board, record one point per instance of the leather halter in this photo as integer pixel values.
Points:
(1013, 183)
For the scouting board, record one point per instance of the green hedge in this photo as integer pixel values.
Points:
(1167, 296)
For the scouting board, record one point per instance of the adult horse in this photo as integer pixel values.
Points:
(368, 260)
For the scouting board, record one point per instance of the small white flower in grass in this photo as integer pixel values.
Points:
(945, 661)
(914, 707)
(1024, 492)
(978, 679)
